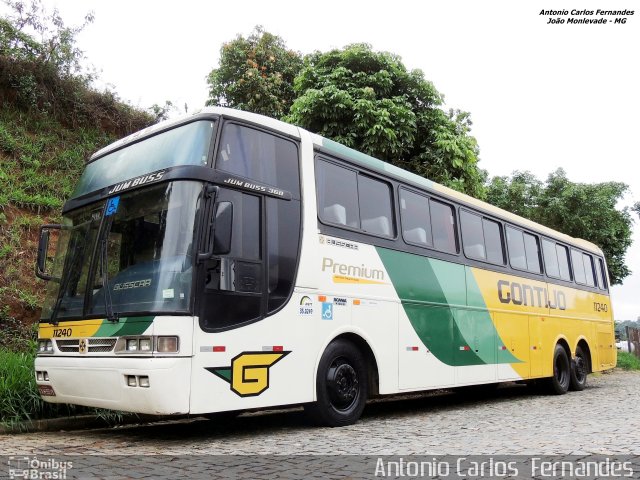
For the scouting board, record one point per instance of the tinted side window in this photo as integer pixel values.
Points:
(532, 251)
(283, 234)
(493, 241)
(588, 269)
(578, 267)
(245, 237)
(550, 258)
(563, 262)
(472, 236)
(515, 242)
(443, 227)
(260, 156)
(602, 281)
(337, 194)
(416, 218)
(375, 206)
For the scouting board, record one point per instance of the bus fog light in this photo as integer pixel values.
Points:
(45, 376)
(167, 344)
(143, 382)
(39, 376)
(131, 381)
(145, 344)
(132, 345)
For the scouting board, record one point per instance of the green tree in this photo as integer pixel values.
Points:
(34, 34)
(369, 101)
(581, 210)
(255, 74)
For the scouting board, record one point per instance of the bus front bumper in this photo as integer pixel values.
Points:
(155, 386)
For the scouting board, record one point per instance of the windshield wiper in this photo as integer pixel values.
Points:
(108, 302)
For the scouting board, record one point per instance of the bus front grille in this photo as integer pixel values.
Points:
(94, 345)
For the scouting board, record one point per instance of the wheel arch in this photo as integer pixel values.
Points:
(361, 343)
(563, 342)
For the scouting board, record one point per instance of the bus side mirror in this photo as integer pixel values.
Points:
(223, 226)
(43, 249)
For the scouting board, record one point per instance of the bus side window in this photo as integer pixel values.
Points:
(443, 227)
(602, 281)
(532, 252)
(588, 269)
(259, 155)
(375, 206)
(472, 236)
(416, 218)
(337, 194)
(563, 262)
(578, 267)
(283, 235)
(550, 258)
(515, 242)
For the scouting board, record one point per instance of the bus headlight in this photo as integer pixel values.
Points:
(140, 345)
(45, 345)
(167, 345)
(145, 344)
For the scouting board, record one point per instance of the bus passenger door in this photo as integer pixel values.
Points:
(231, 282)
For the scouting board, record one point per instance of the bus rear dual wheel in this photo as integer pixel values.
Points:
(341, 386)
(568, 375)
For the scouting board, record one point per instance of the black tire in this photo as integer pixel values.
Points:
(579, 370)
(341, 386)
(559, 383)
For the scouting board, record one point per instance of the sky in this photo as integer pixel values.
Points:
(541, 95)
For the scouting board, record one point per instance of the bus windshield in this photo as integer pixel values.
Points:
(139, 245)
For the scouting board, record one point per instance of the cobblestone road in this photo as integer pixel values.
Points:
(603, 419)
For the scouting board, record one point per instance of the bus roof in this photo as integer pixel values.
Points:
(355, 157)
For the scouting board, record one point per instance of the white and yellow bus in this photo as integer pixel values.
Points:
(229, 261)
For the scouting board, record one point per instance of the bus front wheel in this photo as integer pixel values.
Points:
(559, 383)
(341, 386)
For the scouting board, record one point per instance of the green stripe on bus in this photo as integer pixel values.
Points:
(125, 326)
(433, 294)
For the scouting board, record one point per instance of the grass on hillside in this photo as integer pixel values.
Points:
(40, 162)
(628, 361)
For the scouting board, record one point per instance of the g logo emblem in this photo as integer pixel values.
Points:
(249, 372)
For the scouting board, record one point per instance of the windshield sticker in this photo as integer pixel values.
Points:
(112, 206)
(167, 293)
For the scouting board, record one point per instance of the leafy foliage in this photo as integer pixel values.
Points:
(369, 101)
(34, 34)
(578, 209)
(255, 74)
(50, 122)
